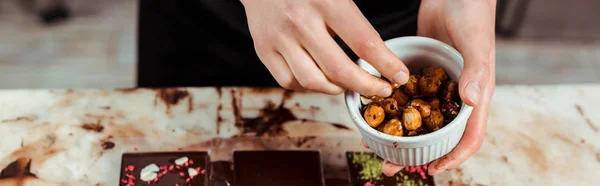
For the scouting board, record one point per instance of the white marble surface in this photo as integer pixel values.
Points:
(536, 134)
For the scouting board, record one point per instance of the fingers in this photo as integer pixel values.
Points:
(356, 31)
(338, 67)
(474, 38)
(474, 132)
(365, 144)
(280, 70)
(305, 70)
(389, 169)
(470, 142)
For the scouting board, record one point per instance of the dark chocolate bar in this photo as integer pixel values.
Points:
(165, 168)
(365, 170)
(277, 168)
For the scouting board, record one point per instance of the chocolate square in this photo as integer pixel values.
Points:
(365, 169)
(277, 168)
(170, 173)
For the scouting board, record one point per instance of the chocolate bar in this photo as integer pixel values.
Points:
(165, 168)
(277, 168)
(365, 170)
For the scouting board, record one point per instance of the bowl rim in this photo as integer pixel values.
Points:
(352, 100)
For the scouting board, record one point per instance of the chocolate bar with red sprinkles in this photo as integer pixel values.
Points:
(277, 168)
(165, 168)
(365, 170)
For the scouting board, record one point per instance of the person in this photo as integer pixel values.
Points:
(312, 44)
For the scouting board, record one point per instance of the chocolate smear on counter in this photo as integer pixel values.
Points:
(236, 108)
(126, 90)
(171, 96)
(587, 120)
(269, 121)
(17, 169)
(302, 140)
(219, 108)
(96, 127)
(108, 145)
(27, 118)
(190, 104)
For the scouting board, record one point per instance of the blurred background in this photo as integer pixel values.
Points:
(92, 43)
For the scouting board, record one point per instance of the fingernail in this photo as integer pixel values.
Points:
(387, 91)
(473, 92)
(401, 77)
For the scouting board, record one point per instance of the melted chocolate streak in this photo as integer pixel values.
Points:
(13, 170)
(270, 118)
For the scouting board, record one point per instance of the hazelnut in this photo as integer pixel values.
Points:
(393, 127)
(391, 107)
(411, 87)
(374, 114)
(434, 102)
(450, 109)
(435, 72)
(429, 86)
(449, 91)
(423, 107)
(400, 97)
(411, 118)
(376, 99)
(435, 121)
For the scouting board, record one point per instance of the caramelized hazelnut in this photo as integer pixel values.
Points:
(434, 102)
(400, 97)
(435, 72)
(376, 99)
(393, 127)
(435, 121)
(391, 107)
(429, 86)
(374, 115)
(411, 87)
(411, 118)
(450, 109)
(449, 91)
(423, 107)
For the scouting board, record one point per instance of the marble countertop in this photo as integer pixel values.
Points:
(536, 135)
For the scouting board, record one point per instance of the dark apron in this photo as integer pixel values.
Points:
(185, 43)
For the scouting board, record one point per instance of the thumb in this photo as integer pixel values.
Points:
(474, 40)
(474, 78)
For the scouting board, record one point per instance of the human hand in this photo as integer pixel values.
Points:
(469, 27)
(293, 39)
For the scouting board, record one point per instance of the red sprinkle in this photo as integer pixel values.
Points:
(203, 171)
(171, 167)
(123, 181)
(181, 174)
(187, 180)
(369, 184)
(197, 169)
(156, 179)
(185, 164)
(134, 149)
(131, 167)
(164, 167)
(177, 167)
(176, 184)
(148, 182)
(191, 162)
(130, 176)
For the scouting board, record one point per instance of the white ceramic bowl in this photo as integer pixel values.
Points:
(417, 53)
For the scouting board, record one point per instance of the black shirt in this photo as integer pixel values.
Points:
(208, 43)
